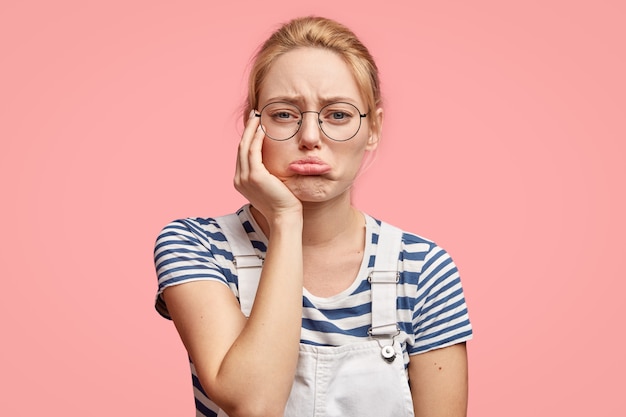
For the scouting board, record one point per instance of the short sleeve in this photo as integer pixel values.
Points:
(440, 316)
(183, 253)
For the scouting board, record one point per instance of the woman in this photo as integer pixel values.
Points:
(348, 316)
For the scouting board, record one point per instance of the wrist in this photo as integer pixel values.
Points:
(287, 220)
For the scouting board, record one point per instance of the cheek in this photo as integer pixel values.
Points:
(356, 150)
(349, 159)
(271, 155)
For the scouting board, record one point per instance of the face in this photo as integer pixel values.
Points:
(314, 167)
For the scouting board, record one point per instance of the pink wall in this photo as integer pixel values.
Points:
(504, 141)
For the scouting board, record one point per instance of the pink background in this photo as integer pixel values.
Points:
(504, 141)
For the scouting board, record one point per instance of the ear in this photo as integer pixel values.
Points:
(376, 126)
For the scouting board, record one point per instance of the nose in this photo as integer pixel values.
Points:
(310, 133)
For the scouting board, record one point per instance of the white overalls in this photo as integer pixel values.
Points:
(359, 379)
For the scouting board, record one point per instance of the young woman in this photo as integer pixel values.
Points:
(299, 304)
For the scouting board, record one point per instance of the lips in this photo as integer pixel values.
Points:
(309, 166)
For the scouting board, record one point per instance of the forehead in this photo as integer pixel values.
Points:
(310, 76)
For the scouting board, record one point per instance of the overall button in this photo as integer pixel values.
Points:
(388, 353)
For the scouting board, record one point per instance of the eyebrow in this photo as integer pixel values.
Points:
(323, 101)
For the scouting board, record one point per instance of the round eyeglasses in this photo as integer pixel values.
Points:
(339, 121)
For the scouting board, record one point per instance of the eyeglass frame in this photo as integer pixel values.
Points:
(319, 121)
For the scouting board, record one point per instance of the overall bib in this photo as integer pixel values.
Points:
(358, 379)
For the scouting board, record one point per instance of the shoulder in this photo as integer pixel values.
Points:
(414, 246)
(202, 231)
(191, 227)
(198, 241)
(431, 304)
(191, 249)
(189, 244)
(422, 260)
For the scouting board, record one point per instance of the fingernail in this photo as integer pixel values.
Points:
(251, 115)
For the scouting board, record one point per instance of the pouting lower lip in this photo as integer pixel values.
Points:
(309, 167)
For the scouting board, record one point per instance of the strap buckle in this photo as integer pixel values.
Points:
(383, 277)
(247, 261)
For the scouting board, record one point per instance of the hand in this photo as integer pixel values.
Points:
(265, 191)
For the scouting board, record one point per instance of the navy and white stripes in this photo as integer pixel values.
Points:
(431, 308)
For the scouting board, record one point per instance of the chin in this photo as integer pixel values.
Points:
(316, 191)
(310, 196)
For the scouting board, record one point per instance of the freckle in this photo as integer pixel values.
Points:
(440, 368)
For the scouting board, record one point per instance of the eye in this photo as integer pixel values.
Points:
(280, 112)
(338, 113)
(282, 115)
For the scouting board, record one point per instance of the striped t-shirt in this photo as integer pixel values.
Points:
(431, 308)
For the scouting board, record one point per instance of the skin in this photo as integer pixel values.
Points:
(247, 366)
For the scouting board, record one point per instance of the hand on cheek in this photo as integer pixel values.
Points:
(252, 179)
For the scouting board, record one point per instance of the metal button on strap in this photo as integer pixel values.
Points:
(388, 353)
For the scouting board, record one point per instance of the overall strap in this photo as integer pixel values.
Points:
(246, 261)
(384, 279)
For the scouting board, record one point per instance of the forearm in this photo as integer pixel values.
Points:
(260, 364)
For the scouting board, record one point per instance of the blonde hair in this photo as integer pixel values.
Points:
(317, 32)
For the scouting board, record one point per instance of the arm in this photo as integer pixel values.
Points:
(438, 373)
(247, 366)
(439, 382)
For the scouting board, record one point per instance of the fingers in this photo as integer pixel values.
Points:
(249, 148)
(261, 188)
(255, 148)
(244, 143)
